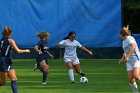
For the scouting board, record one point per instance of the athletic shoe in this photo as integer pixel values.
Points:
(44, 83)
(72, 82)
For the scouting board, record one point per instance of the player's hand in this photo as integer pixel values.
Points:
(126, 59)
(52, 56)
(90, 53)
(120, 61)
(40, 52)
(64, 45)
(27, 51)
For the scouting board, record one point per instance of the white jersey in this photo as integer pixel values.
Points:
(126, 47)
(71, 47)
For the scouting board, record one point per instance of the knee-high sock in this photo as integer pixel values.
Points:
(71, 75)
(44, 75)
(14, 86)
(134, 87)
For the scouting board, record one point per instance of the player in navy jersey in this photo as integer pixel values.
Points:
(41, 49)
(6, 68)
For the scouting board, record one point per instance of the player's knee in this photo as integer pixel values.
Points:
(46, 70)
(70, 66)
(136, 76)
(14, 78)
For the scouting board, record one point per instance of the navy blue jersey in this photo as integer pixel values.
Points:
(5, 48)
(42, 46)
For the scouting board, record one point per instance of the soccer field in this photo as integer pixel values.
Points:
(105, 76)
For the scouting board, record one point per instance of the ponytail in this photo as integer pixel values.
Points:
(65, 38)
(124, 33)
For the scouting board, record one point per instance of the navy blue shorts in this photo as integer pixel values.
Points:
(5, 64)
(41, 58)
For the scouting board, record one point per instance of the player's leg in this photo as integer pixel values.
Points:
(12, 75)
(70, 68)
(0, 77)
(136, 70)
(3, 78)
(44, 68)
(136, 73)
(77, 67)
(132, 81)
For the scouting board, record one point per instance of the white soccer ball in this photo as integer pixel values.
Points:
(83, 80)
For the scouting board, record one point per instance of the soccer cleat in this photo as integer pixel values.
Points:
(35, 67)
(44, 83)
(82, 74)
(72, 82)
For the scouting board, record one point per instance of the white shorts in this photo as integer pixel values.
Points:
(74, 61)
(132, 63)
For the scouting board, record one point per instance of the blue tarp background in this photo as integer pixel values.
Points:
(96, 22)
(137, 37)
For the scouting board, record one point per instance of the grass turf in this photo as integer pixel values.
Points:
(105, 76)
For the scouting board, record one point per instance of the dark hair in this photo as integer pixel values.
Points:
(70, 34)
(124, 33)
(7, 31)
(41, 35)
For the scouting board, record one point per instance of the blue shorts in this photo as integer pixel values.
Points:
(41, 58)
(5, 64)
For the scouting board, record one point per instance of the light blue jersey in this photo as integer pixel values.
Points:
(126, 47)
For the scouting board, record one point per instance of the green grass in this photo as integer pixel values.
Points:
(105, 76)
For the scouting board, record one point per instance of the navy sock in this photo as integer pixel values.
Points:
(14, 86)
(44, 74)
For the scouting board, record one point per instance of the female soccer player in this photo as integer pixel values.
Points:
(132, 58)
(6, 68)
(70, 56)
(41, 49)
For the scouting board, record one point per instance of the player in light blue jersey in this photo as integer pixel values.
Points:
(132, 58)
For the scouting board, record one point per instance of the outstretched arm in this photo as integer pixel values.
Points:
(62, 43)
(58, 45)
(131, 51)
(88, 51)
(13, 44)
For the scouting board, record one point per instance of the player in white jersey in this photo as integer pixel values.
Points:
(132, 58)
(70, 55)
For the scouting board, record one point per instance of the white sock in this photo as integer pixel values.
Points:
(134, 87)
(71, 75)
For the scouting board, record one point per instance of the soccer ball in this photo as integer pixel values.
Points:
(83, 80)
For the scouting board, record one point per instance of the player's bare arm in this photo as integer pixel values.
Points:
(13, 44)
(88, 51)
(58, 45)
(133, 47)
